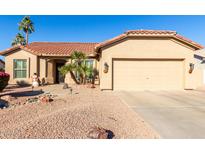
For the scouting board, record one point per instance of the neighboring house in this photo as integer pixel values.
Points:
(2, 65)
(134, 60)
(199, 56)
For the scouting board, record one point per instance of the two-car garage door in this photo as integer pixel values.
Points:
(143, 74)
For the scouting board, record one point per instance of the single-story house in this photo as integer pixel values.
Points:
(2, 65)
(134, 60)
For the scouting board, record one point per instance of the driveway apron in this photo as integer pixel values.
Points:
(173, 114)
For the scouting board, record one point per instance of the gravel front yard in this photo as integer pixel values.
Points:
(72, 116)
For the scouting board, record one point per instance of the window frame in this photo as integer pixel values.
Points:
(19, 69)
(88, 61)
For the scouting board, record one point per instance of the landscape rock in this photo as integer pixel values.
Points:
(44, 99)
(32, 100)
(8, 98)
(65, 86)
(70, 91)
(41, 99)
(100, 133)
(72, 116)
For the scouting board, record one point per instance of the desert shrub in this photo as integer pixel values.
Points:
(4, 78)
(2, 70)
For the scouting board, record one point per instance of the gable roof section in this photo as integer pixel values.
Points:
(149, 33)
(66, 48)
(12, 49)
(54, 48)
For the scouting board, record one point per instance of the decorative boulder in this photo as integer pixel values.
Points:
(65, 86)
(6, 98)
(44, 99)
(4, 78)
(100, 133)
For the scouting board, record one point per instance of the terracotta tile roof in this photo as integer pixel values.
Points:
(150, 33)
(55, 48)
(66, 48)
(189, 41)
(10, 49)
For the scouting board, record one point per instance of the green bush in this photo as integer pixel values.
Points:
(4, 78)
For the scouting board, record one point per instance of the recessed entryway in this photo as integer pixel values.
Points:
(59, 78)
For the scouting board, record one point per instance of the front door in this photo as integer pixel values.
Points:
(59, 76)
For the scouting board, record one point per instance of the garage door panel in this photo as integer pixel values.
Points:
(147, 74)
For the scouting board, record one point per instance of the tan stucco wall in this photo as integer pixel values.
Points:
(51, 71)
(153, 48)
(31, 65)
(68, 78)
(96, 64)
(45, 67)
(42, 67)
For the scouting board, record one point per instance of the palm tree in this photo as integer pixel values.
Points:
(19, 40)
(84, 72)
(78, 57)
(68, 68)
(27, 26)
(77, 67)
(78, 61)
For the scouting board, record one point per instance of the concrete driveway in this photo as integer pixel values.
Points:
(173, 114)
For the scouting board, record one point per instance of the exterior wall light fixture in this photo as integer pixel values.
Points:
(191, 67)
(106, 67)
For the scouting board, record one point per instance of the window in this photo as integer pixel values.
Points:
(20, 68)
(89, 63)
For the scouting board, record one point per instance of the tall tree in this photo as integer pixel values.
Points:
(77, 67)
(19, 40)
(78, 61)
(27, 26)
(78, 57)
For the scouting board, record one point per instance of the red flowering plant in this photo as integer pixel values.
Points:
(4, 78)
